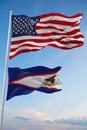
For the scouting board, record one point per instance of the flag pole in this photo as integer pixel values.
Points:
(5, 72)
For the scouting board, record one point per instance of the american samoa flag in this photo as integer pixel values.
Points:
(52, 29)
(40, 78)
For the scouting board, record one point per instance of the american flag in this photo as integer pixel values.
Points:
(53, 29)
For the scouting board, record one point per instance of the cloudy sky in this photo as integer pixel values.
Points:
(64, 110)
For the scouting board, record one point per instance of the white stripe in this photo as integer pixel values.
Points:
(57, 26)
(61, 18)
(71, 39)
(50, 24)
(44, 30)
(70, 45)
(35, 37)
(36, 81)
(67, 29)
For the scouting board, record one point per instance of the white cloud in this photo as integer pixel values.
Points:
(35, 120)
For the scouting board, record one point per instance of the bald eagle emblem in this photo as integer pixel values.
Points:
(49, 81)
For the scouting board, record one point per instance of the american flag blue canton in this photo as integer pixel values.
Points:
(24, 25)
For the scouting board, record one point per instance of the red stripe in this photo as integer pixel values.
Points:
(59, 22)
(78, 36)
(53, 27)
(20, 52)
(48, 27)
(57, 33)
(80, 43)
(65, 47)
(61, 15)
